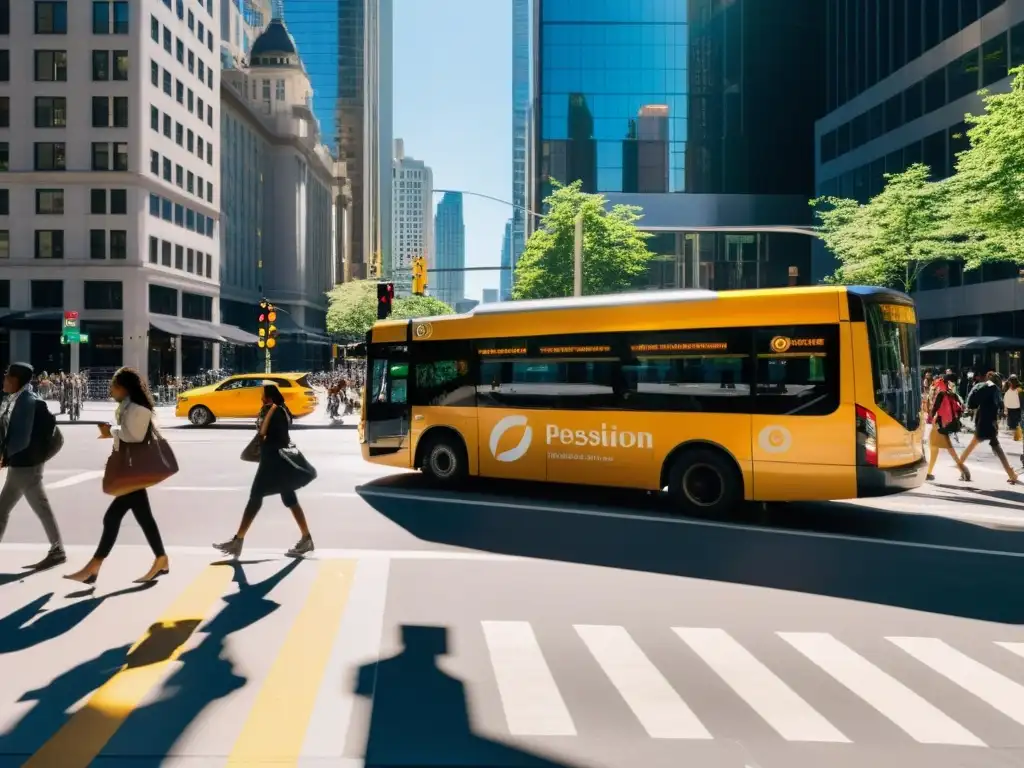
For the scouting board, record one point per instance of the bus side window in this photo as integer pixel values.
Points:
(797, 370)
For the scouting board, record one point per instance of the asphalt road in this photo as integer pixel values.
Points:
(513, 625)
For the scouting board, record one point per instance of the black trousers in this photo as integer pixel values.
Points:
(138, 503)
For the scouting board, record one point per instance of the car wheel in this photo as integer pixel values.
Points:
(705, 481)
(201, 416)
(444, 460)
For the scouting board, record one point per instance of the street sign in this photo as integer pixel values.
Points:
(83, 338)
(73, 335)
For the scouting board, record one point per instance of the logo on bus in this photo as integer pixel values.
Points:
(503, 426)
(422, 330)
(780, 344)
(774, 439)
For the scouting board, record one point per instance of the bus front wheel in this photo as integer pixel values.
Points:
(704, 481)
(444, 460)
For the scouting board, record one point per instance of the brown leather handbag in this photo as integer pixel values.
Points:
(134, 466)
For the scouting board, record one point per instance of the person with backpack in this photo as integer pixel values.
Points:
(944, 416)
(28, 439)
(986, 400)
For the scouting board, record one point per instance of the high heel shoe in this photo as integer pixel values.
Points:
(88, 580)
(151, 577)
(965, 474)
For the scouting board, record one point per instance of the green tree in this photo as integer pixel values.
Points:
(890, 239)
(615, 253)
(989, 182)
(352, 308)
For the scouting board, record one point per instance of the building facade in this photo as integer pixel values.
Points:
(314, 26)
(520, 133)
(278, 224)
(700, 112)
(507, 264)
(898, 97)
(241, 22)
(450, 251)
(412, 193)
(364, 129)
(111, 196)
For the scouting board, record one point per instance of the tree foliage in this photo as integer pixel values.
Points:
(890, 239)
(615, 253)
(989, 179)
(352, 308)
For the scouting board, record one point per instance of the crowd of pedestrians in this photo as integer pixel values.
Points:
(992, 402)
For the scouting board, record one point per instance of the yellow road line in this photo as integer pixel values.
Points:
(81, 739)
(276, 727)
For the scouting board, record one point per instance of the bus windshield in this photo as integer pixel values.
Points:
(895, 361)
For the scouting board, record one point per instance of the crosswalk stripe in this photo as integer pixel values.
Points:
(918, 717)
(81, 739)
(533, 705)
(778, 704)
(276, 727)
(660, 710)
(994, 689)
(1017, 648)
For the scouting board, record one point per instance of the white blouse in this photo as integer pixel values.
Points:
(132, 423)
(1011, 399)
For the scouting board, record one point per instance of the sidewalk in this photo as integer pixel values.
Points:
(100, 411)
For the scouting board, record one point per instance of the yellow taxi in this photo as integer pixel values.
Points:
(240, 397)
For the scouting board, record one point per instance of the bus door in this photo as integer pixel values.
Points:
(800, 436)
(387, 404)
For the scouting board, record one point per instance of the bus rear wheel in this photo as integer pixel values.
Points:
(704, 481)
(444, 460)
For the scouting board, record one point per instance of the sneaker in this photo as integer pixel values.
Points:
(231, 548)
(303, 547)
(56, 556)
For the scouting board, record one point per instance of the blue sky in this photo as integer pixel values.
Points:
(453, 108)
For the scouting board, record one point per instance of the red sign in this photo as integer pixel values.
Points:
(70, 315)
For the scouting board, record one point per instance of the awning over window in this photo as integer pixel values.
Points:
(234, 335)
(957, 343)
(31, 318)
(179, 326)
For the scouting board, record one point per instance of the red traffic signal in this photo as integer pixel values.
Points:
(385, 298)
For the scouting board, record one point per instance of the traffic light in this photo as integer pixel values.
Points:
(267, 325)
(419, 276)
(385, 298)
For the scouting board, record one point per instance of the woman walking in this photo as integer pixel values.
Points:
(134, 417)
(276, 474)
(944, 416)
(986, 401)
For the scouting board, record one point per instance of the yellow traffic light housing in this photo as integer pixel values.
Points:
(419, 276)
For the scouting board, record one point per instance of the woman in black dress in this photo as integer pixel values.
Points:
(277, 473)
(986, 400)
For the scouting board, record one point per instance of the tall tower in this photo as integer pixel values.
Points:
(505, 290)
(450, 250)
(520, 131)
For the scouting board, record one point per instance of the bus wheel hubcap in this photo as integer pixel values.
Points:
(442, 461)
(703, 485)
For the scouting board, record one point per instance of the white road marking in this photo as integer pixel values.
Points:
(356, 644)
(660, 710)
(533, 705)
(778, 704)
(322, 554)
(1002, 693)
(918, 717)
(1017, 648)
(518, 506)
(82, 477)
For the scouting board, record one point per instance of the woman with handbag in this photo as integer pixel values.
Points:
(134, 416)
(282, 470)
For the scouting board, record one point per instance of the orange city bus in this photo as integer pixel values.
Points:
(785, 394)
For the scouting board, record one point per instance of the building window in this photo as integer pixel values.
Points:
(51, 66)
(167, 126)
(47, 294)
(118, 244)
(167, 169)
(154, 163)
(49, 244)
(98, 201)
(51, 18)
(120, 17)
(119, 202)
(100, 65)
(50, 202)
(154, 28)
(120, 65)
(179, 50)
(5, 111)
(101, 18)
(5, 26)
(51, 112)
(179, 91)
(165, 261)
(179, 257)
(5, 154)
(163, 300)
(154, 74)
(154, 205)
(154, 119)
(5, 66)
(179, 175)
(100, 111)
(154, 250)
(103, 294)
(190, 266)
(5, 202)
(97, 244)
(120, 111)
(49, 156)
(196, 307)
(120, 156)
(100, 156)
(167, 82)
(167, 39)
(5, 253)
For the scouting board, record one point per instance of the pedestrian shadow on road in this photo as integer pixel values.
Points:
(18, 631)
(420, 714)
(835, 550)
(992, 498)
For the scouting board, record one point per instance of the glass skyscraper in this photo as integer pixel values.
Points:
(505, 290)
(701, 112)
(449, 250)
(314, 25)
(520, 134)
